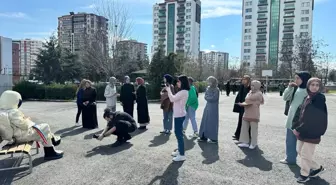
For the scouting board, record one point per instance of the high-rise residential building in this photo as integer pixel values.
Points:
(268, 24)
(132, 48)
(219, 60)
(29, 49)
(16, 61)
(75, 29)
(6, 61)
(177, 26)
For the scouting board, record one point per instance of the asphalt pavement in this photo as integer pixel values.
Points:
(146, 159)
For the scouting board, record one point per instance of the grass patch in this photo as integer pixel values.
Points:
(332, 92)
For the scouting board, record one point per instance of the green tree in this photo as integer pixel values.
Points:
(55, 64)
(156, 72)
(332, 75)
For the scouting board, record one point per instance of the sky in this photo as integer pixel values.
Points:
(220, 26)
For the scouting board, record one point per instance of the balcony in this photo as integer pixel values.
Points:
(264, 31)
(262, 3)
(288, 30)
(179, 44)
(261, 38)
(261, 52)
(261, 46)
(162, 15)
(261, 17)
(289, 1)
(262, 24)
(162, 20)
(292, 7)
(288, 22)
(163, 26)
(180, 38)
(162, 33)
(289, 15)
(162, 39)
(180, 12)
(262, 9)
(180, 50)
(180, 20)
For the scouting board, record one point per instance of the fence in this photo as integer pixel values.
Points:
(6, 82)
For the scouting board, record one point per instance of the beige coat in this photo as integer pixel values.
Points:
(253, 100)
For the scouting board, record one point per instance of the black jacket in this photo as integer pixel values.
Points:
(240, 98)
(121, 118)
(314, 120)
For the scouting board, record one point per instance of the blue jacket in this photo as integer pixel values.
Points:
(80, 96)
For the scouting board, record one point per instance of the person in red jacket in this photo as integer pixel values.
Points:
(311, 123)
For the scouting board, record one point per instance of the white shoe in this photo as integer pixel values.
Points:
(179, 158)
(195, 135)
(237, 142)
(77, 124)
(175, 153)
(252, 147)
(243, 145)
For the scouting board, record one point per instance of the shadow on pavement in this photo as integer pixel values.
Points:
(189, 143)
(159, 140)
(72, 131)
(90, 136)
(108, 149)
(138, 132)
(169, 176)
(209, 152)
(295, 169)
(254, 158)
(313, 181)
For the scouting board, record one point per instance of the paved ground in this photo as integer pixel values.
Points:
(147, 161)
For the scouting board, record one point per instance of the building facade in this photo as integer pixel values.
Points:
(177, 26)
(29, 49)
(219, 60)
(75, 29)
(6, 61)
(268, 24)
(133, 49)
(16, 61)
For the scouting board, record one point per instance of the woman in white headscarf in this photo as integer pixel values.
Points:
(111, 94)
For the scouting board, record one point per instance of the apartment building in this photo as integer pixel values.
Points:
(177, 26)
(219, 60)
(268, 24)
(75, 29)
(133, 49)
(29, 49)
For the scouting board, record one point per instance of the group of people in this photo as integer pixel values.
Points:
(306, 110)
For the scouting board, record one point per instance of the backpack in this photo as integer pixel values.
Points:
(6, 130)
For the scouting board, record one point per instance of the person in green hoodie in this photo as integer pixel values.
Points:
(191, 107)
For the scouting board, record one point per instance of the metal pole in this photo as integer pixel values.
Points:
(266, 82)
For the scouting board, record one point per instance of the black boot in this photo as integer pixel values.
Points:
(56, 140)
(50, 153)
(128, 137)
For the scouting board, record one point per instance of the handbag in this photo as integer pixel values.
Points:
(288, 103)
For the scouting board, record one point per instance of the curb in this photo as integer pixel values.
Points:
(60, 101)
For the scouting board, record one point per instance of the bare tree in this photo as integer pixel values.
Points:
(323, 65)
(120, 25)
(286, 68)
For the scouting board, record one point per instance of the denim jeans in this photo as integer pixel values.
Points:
(291, 152)
(168, 120)
(178, 124)
(191, 114)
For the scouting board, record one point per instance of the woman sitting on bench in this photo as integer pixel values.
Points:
(21, 129)
(119, 124)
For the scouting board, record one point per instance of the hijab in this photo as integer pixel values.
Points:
(311, 95)
(256, 86)
(168, 78)
(112, 81)
(305, 76)
(127, 79)
(140, 81)
(212, 81)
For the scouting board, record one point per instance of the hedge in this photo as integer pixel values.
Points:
(30, 90)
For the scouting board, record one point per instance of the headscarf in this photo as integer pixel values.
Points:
(127, 79)
(305, 76)
(140, 81)
(310, 96)
(168, 78)
(248, 78)
(112, 81)
(212, 81)
(256, 86)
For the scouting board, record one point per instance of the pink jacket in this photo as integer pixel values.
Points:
(252, 110)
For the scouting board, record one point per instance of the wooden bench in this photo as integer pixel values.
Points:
(23, 149)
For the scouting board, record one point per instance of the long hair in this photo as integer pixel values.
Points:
(81, 85)
(184, 82)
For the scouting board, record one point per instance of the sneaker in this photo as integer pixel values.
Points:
(175, 153)
(213, 141)
(167, 132)
(237, 142)
(195, 135)
(164, 131)
(315, 173)
(284, 161)
(243, 145)
(252, 147)
(302, 179)
(179, 158)
(77, 124)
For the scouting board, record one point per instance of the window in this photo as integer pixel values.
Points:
(248, 10)
(246, 57)
(248, 3)
(248, 23)
(188, 29)
(304, 11)
(155, 37)
(289, 20)
(155, 25)
(261, 43)
(247, 50)
(187, 41)
(248, 16)
(247, 43)
(247, 37)
(155, 20)
(156, 31)
(306, 4)
(304, 26)
(187, 35)
(304, 19)
(247, 30)
(188, 4)
(188, 23)
(303, 34)
(188, 10)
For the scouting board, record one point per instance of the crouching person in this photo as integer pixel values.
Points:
(22, 129)
(119, 124)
